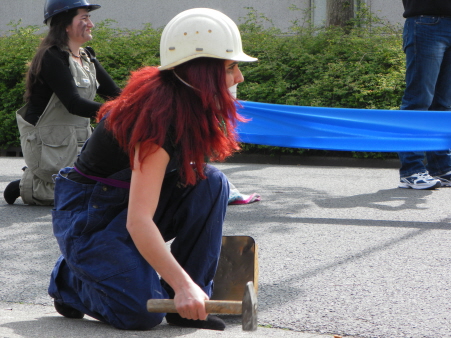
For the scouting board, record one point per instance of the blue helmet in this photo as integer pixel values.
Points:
(53, 7)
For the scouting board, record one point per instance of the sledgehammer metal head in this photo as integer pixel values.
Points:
(249, 308)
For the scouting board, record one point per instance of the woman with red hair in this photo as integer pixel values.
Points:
(141, 180)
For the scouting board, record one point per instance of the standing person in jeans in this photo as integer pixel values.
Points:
(427, 44)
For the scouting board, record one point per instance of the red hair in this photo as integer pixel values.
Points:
(154, 102)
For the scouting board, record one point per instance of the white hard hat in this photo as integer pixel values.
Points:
(200, 32)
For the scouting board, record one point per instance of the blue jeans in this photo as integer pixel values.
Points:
(427, 44)
(102, 274)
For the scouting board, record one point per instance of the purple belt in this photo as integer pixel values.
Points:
(107, 181)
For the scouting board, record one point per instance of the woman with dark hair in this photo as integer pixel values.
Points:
(141, 180)
(61, 83)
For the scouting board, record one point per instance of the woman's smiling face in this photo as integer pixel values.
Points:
(80, 29)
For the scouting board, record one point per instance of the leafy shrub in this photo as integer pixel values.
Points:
(16, 49)
(362, 67)
(123, 50)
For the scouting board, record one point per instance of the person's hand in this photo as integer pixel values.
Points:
(190, 302)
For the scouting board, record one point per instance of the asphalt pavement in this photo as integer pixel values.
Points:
(342, 252)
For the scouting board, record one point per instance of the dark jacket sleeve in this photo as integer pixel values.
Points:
(107, 87)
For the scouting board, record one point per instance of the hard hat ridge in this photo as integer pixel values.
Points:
(200, 32)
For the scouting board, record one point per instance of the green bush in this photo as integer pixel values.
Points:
(123, 50)
(15, 51)
(359, 68)
(362, 67)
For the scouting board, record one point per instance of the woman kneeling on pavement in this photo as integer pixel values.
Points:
(62, 81)
(141, 180)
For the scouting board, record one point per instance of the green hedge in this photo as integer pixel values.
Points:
(15, 51)
(359, 68)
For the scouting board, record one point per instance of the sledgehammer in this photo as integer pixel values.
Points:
(248, 307)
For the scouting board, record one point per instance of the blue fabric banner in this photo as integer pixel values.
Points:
(344, 129)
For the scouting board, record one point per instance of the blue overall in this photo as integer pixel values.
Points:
(102, 274)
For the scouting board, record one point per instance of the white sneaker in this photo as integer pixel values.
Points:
(444, 179)
(419, 181)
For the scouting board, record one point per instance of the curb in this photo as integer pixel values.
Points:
(11, 152)
(328, 161)
(331, 161)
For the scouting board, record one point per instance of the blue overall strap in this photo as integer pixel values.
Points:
(107, 181)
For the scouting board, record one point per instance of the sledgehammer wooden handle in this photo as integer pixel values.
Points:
(211, 306)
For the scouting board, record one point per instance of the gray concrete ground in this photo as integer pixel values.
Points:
(342, 251)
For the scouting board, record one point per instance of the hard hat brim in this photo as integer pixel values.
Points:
(241, 58)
